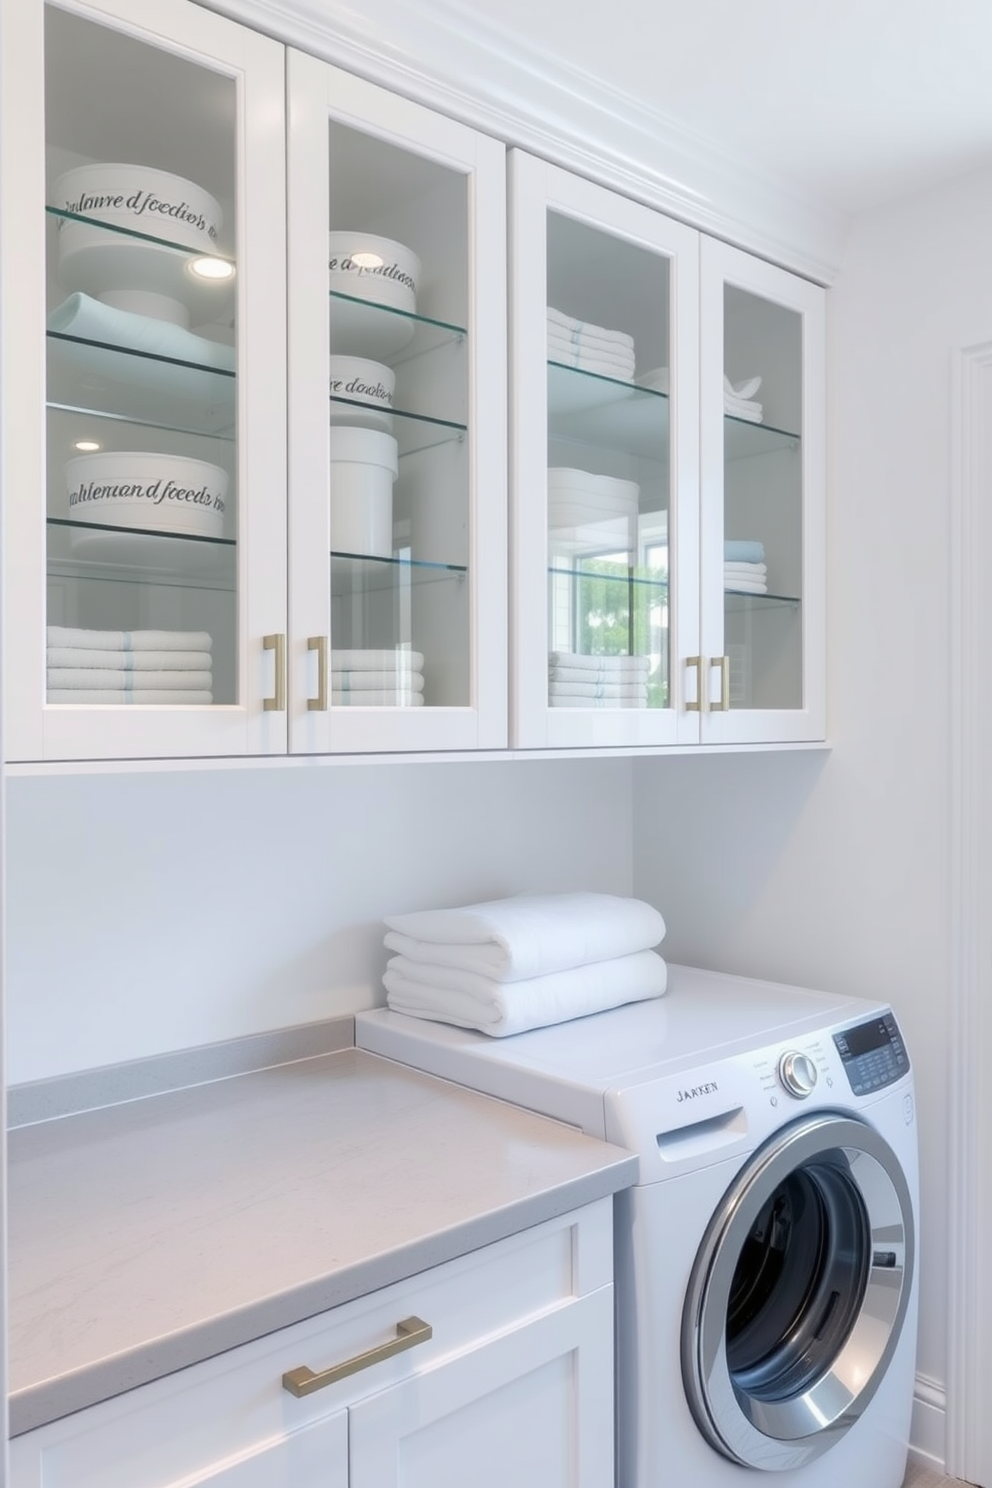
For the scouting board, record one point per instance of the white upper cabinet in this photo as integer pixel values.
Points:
(144, 381)
(666, 479)
(397, 423)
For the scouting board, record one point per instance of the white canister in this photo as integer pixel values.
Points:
(373, 268)
(144, 491)
(356, 380)
(364, 465)
(141, 199)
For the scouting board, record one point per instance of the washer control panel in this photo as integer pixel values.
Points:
(798, 1073)
(873, 1054)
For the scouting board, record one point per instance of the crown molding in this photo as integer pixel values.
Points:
(476, 71)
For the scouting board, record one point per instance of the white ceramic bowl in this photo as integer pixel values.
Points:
(390, 277)
(361, 381)
(364, 464)
(148, 492)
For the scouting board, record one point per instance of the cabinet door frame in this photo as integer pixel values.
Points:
(38, 730)
(536, 188)
(320, 93)
(721, 264)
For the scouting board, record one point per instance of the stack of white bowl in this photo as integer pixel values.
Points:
(589, 512)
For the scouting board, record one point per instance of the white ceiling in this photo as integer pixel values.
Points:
(846, 102)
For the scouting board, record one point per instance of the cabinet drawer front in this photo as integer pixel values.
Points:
(180, 1426)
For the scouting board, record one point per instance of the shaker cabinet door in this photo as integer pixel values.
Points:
(605, 386)
(397, 398)
(763, 458)
(144, 461)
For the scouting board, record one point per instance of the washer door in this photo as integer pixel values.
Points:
(798, 1293)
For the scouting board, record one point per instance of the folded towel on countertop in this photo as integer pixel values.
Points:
(88, 695)
(527, 935)
(467, 1000)
(129, 661)
(130, 640)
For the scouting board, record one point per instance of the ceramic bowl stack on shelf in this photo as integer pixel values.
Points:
(590, 513)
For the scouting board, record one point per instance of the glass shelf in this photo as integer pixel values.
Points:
(743, 437)
(97, 550)
(363, 328)
(116, 229)
(736, 601)
(590, 409)
(615, 575)
(412, 431)
(140, 387)
(361, 573)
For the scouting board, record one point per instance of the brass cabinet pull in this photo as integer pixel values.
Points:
(696, 662)
(409, 1333)
(723, 662)
(319, 703)
(276, 704)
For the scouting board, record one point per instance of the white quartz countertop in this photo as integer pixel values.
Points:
(146, 1236)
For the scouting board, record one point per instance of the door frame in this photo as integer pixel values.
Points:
(968, 1448)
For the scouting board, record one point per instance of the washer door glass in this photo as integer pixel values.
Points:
(798, 1293)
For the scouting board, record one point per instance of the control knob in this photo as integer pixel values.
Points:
(797, 1073)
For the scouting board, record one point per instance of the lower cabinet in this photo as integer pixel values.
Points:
(493, 1369)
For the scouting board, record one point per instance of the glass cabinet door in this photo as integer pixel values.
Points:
(605, 476)
(146, 641)
(397, 410)
(762, 519)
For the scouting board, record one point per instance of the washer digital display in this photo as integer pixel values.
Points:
(873, 1054)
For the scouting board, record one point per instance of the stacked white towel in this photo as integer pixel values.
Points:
(744, 567)
(576, 681)
(507, 965)
(389, 678)
(739, 401)
(129, 666)
(592, 348)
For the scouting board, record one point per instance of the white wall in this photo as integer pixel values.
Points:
(152, 912)
(834, 871)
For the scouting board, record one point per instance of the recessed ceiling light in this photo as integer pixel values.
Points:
(366, 260)
(87, 446)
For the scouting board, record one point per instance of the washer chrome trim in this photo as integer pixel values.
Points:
(775, 1434)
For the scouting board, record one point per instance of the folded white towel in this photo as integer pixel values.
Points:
(501, 1008)
(597, 690)
(745, 570)
(88, 695)
(743, 550)
(556, 700)
(589, 359)
(348, 681)
(599, 663)
(607, 678)
(588, 345)
(745, 586)
(568, 325)
(92, 320)
(106, 677)
(377, 661)
(744, 389)
(739, 409)
(383, 697)
(130, 640)
(527, 935)
(129, 661)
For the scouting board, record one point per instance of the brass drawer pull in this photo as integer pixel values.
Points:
(696, 664)
(277, 703)
(409, 1333)
(319, 703)
(723, 662)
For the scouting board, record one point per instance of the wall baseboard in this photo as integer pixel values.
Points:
(928, 1431)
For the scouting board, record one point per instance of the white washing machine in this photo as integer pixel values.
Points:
(766, 1276)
